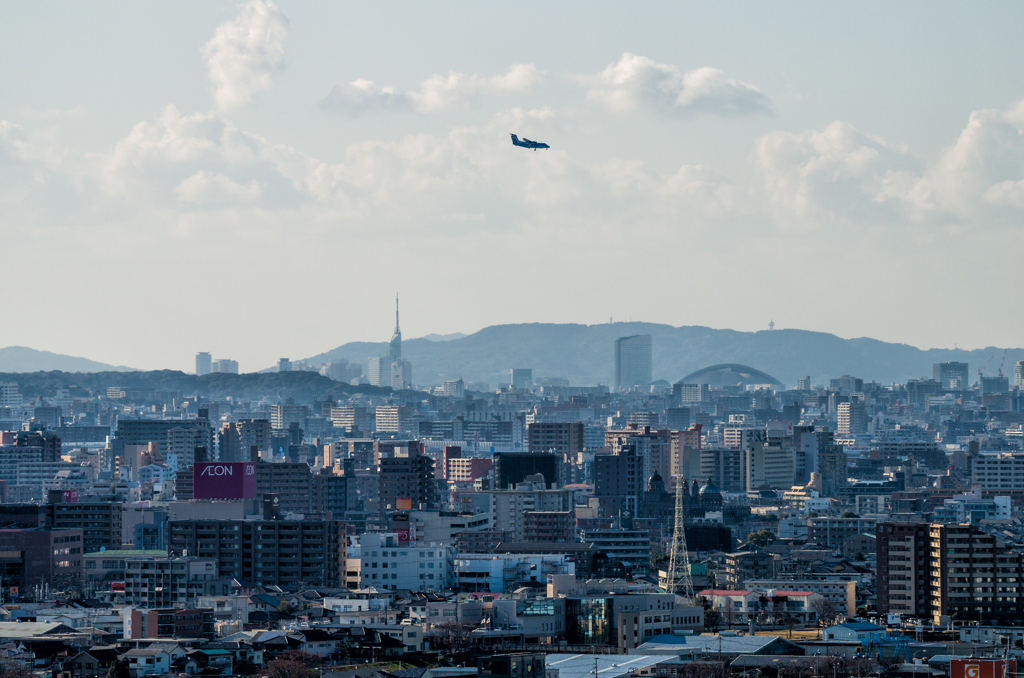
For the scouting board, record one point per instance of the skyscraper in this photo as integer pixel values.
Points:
(1018, 374)
(203, 363)
(951, 376)
(633, 359)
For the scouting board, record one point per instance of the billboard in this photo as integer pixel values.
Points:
(70, 496)
(224, 480)
(400, 526)
(403, 503)
(117, 586)
(982, 668)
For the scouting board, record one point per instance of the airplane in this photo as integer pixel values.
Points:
(526, 143)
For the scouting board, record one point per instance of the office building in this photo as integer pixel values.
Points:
(292, 482)
(401, 374)
(951, 376)
(633, 361)
(351, 419)
(512, 468)
(453, 389)
(204, 364)
(678, 418)
(521, 378)
(1018, 374)
(376, 369)
(293, 554)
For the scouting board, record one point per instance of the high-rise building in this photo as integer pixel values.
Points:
(512, 468)
(520, 377)
(562, 437)
(224, 366)
(803, 384)
(407, 477)
(951, 376)
(9, 396)
(852, 418)
(238, 438)
(1018, 374)
(633, 361)
(401, 374)
(203, 363)
(687, 394)
(832, 465)
(376, 369)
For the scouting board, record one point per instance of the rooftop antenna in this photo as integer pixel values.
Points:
(771, 325)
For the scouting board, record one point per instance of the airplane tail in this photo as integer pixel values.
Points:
(514, 138)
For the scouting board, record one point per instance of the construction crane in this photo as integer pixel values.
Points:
(984, 365)
(1002, 362)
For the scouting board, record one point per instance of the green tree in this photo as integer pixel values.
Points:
(712, 620)
(285, 607)
(762, 538)
(849, 514)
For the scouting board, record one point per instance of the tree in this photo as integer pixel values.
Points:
(790, 622)
(294, 664)
(712, 620)
(452, 637)
(859, 555)
(849, 514)
(118, 669)
(824, 609)
(285, 607)
(762, 538)
(772, 517)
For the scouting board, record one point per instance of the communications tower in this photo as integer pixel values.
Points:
(679, 580)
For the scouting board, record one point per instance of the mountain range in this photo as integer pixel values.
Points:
(584, 354)
(23, 359)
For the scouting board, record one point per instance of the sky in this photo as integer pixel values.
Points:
(259, 180)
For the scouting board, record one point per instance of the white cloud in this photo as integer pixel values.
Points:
(1009, 193)
(207, 188)
(363, 97)
(244, 53)
(635, 81)
(436, 93)
(837, 172)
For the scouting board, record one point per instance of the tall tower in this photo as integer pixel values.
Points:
(395, 349)
(679, 580)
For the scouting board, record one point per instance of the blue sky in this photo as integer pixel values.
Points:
(259, 180)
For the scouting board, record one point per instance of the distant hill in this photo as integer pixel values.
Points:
(584, 354)
(22, 359)
(302, 386)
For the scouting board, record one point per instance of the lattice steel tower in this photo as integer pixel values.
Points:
(679, 580)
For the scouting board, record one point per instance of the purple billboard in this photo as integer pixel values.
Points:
(224, 480)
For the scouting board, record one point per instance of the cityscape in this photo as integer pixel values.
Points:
(704, 359)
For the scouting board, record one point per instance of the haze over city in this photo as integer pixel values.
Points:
(847, 169)
(478, 340)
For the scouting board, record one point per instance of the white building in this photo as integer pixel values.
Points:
(9, 395)
(384, 562)
(504, 572)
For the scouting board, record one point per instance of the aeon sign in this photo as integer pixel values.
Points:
(224, 480)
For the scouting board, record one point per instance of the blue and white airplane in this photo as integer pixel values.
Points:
(526, 143)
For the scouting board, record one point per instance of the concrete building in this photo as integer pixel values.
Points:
(443, 527)
(852, 418)
(352, 419)
(632, 547)
(951, 376)
(561, 438)
(509, 507)
(505, 572)
(224, 366)
(512, 468)
(160, 582)
(841, 594)
(204, 364)
(633, 361)
(40, 555)
(386, 562)
(520, 378)
(238, 438)
(409, 477)
(169, 623)
(292, 554)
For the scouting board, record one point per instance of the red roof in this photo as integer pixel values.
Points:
(723, 592)
(793, 594)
